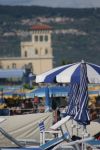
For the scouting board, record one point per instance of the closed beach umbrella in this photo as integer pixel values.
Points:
(82, 116)
(73, 99)
(64, 74)
(47, 100)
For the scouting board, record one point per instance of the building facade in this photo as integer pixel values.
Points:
(37, 53)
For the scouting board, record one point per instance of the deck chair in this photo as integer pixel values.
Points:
(60, 123)
(50, 144)
(94, 143)
(36, 148)
(18, 144)
(44, 132)
(2, 120)
(13, 140)
(61, 136)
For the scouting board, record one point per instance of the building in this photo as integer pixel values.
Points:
(36, 54)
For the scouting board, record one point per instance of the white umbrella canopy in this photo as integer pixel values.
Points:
(64, 74)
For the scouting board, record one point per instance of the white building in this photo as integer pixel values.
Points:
(37, 53)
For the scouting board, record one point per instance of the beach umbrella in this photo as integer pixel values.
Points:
(73, 73)
(82, 115)
(31, 77)
(56, 91)
(2, 101)
(64, 74)
(47, 100)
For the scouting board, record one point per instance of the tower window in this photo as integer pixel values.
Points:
(46, 38)
(8, 67)
(25, 54)
(13, 65)
(41, 38)
(36, 51)
(46, 51)
(36, 38)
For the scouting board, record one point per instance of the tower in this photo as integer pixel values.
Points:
(39, 50)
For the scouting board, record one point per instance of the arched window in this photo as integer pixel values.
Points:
(25, 54)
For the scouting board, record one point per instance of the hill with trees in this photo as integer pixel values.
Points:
(75, 35)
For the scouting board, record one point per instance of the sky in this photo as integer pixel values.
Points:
(54, 3)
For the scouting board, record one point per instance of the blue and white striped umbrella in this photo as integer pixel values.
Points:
(82, 115)
(64, 74)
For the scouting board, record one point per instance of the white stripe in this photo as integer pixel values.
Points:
(65, 76)
(41, 77)
(93, 76)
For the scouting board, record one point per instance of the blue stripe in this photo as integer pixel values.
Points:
(52, 77)
(41, 126)
(73, 99)
(82, 115)
(75, 78)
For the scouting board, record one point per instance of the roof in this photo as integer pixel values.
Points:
(41, 27)
(10, 73)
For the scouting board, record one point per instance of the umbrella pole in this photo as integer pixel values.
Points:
(83, 136)
(72, 126)
(77, 128)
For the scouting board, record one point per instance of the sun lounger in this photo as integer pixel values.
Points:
(60, 123)
(50, 144)
(93, 143)
(35, 148)
(43, 133)
(2, 119)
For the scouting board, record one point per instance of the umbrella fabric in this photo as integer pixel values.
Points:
(54, 90)
(82, 116)
(31, 78)
(10, 73)
(2, 101)
(73, 99)
(64, 74)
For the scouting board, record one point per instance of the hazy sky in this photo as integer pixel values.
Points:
(54, 3)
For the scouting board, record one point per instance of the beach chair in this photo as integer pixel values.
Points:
(94, 143)
(60, 123)
(13, 140)
(36, 148)
(88, 142)
(2, 120)
(44, 133)
(50, 144)
(61, 135)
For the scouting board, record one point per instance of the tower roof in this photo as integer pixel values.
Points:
(41, 27)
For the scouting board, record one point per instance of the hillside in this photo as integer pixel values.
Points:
(75, 36)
